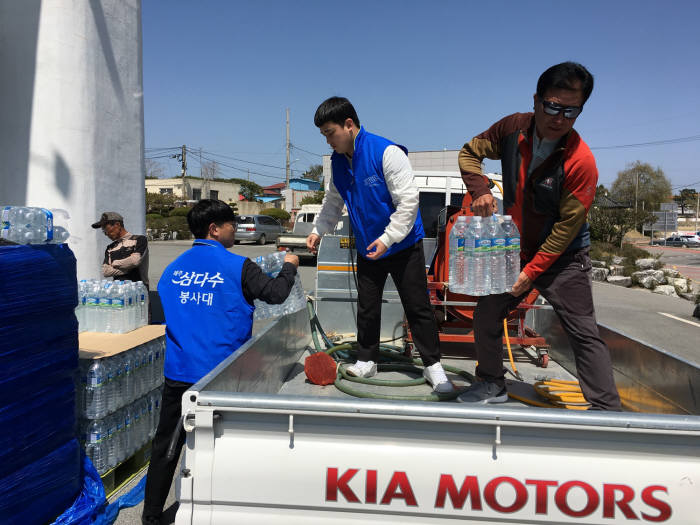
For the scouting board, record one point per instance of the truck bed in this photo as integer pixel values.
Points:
(264, 446)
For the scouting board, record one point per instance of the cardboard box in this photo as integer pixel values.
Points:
(95, 345)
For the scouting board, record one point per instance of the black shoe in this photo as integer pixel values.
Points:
(150, 520)
(484, 393)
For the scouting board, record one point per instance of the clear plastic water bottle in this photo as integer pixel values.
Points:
(149, 374)
(157, 396)
(129, 429)
(479, 282)
(498, 255)
(110, 426)
(142, 293)
(150, 414)
(118, 364)
(512, 258)
(60, 235)
(117, 318)
(110, 384)
(95, 445)
(92, 303)
(128, 381)
(457, 273)
(157, 362)
(95, 390)
(121, 435)
(80, 309)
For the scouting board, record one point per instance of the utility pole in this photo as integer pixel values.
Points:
(184, 171)
(697, 209)
(287, 165)
(636, 190)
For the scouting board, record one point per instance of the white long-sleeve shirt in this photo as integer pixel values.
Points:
(398, 175)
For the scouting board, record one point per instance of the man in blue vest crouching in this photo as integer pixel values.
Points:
(207, 295)
(373, 177)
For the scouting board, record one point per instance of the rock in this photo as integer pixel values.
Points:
(616, 269)
(598, 264)
(619, 280)
(647, 281)
(645, 264)
(665, 289)
(617, 259)
(599, 274)
(668, 272)
(649, 278)
(681, 285)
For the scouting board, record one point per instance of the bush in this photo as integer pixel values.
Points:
(276, 213)
(153, 216)
(180, 212)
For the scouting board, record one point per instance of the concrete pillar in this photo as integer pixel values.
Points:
(71, 107)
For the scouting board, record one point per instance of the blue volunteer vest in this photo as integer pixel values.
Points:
(206, 314)
(364, 190)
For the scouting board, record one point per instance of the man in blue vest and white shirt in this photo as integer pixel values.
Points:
(373, 177)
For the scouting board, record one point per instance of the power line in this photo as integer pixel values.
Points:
(309, 152)
(241, 160)
(679, 140)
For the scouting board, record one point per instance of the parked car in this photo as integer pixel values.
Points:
(257, 228)
(684, 241)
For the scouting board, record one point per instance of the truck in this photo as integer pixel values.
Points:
(265, 445)
(295, 242)
(437, 189)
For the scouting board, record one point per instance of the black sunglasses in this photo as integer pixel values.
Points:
(571, 112)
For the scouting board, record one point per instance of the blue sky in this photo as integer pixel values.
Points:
(430, 75)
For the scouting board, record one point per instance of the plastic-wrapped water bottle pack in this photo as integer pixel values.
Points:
(484, 255)
(272, 264)
(30, 225)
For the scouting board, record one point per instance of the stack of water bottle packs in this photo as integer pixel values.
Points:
(484, 255)
(119, 403)
(272, 264)
(28, 225)
(115, 307)
(39, 450)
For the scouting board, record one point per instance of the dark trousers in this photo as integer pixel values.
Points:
(567, 287)
(160, 470)
(407, 269)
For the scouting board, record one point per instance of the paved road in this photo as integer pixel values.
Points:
(685, 260)
(661, 321)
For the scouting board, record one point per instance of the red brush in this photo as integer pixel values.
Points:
(320, 369)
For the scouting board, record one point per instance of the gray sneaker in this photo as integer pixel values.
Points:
(483, 393)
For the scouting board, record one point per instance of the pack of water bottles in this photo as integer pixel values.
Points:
(111, 439)
(484, 255)
(119, 402)
(109, 383)
(29, 225)
(115, 307)
(272, 264)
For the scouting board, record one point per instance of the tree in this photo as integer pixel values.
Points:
(210, 170)
(159, 203)
(611, 224)
(687, 198)
(248, 189)
(154, 169)
(650, 186)
(316, 198)
(315, 172)
(280, 215)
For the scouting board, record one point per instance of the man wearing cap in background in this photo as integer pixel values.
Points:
(126, 258)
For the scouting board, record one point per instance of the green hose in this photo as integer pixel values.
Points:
(394, 361)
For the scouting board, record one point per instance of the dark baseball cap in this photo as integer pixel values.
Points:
(108, 216)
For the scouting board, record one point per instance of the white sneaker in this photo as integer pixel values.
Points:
(435, 375)
(362, 369)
